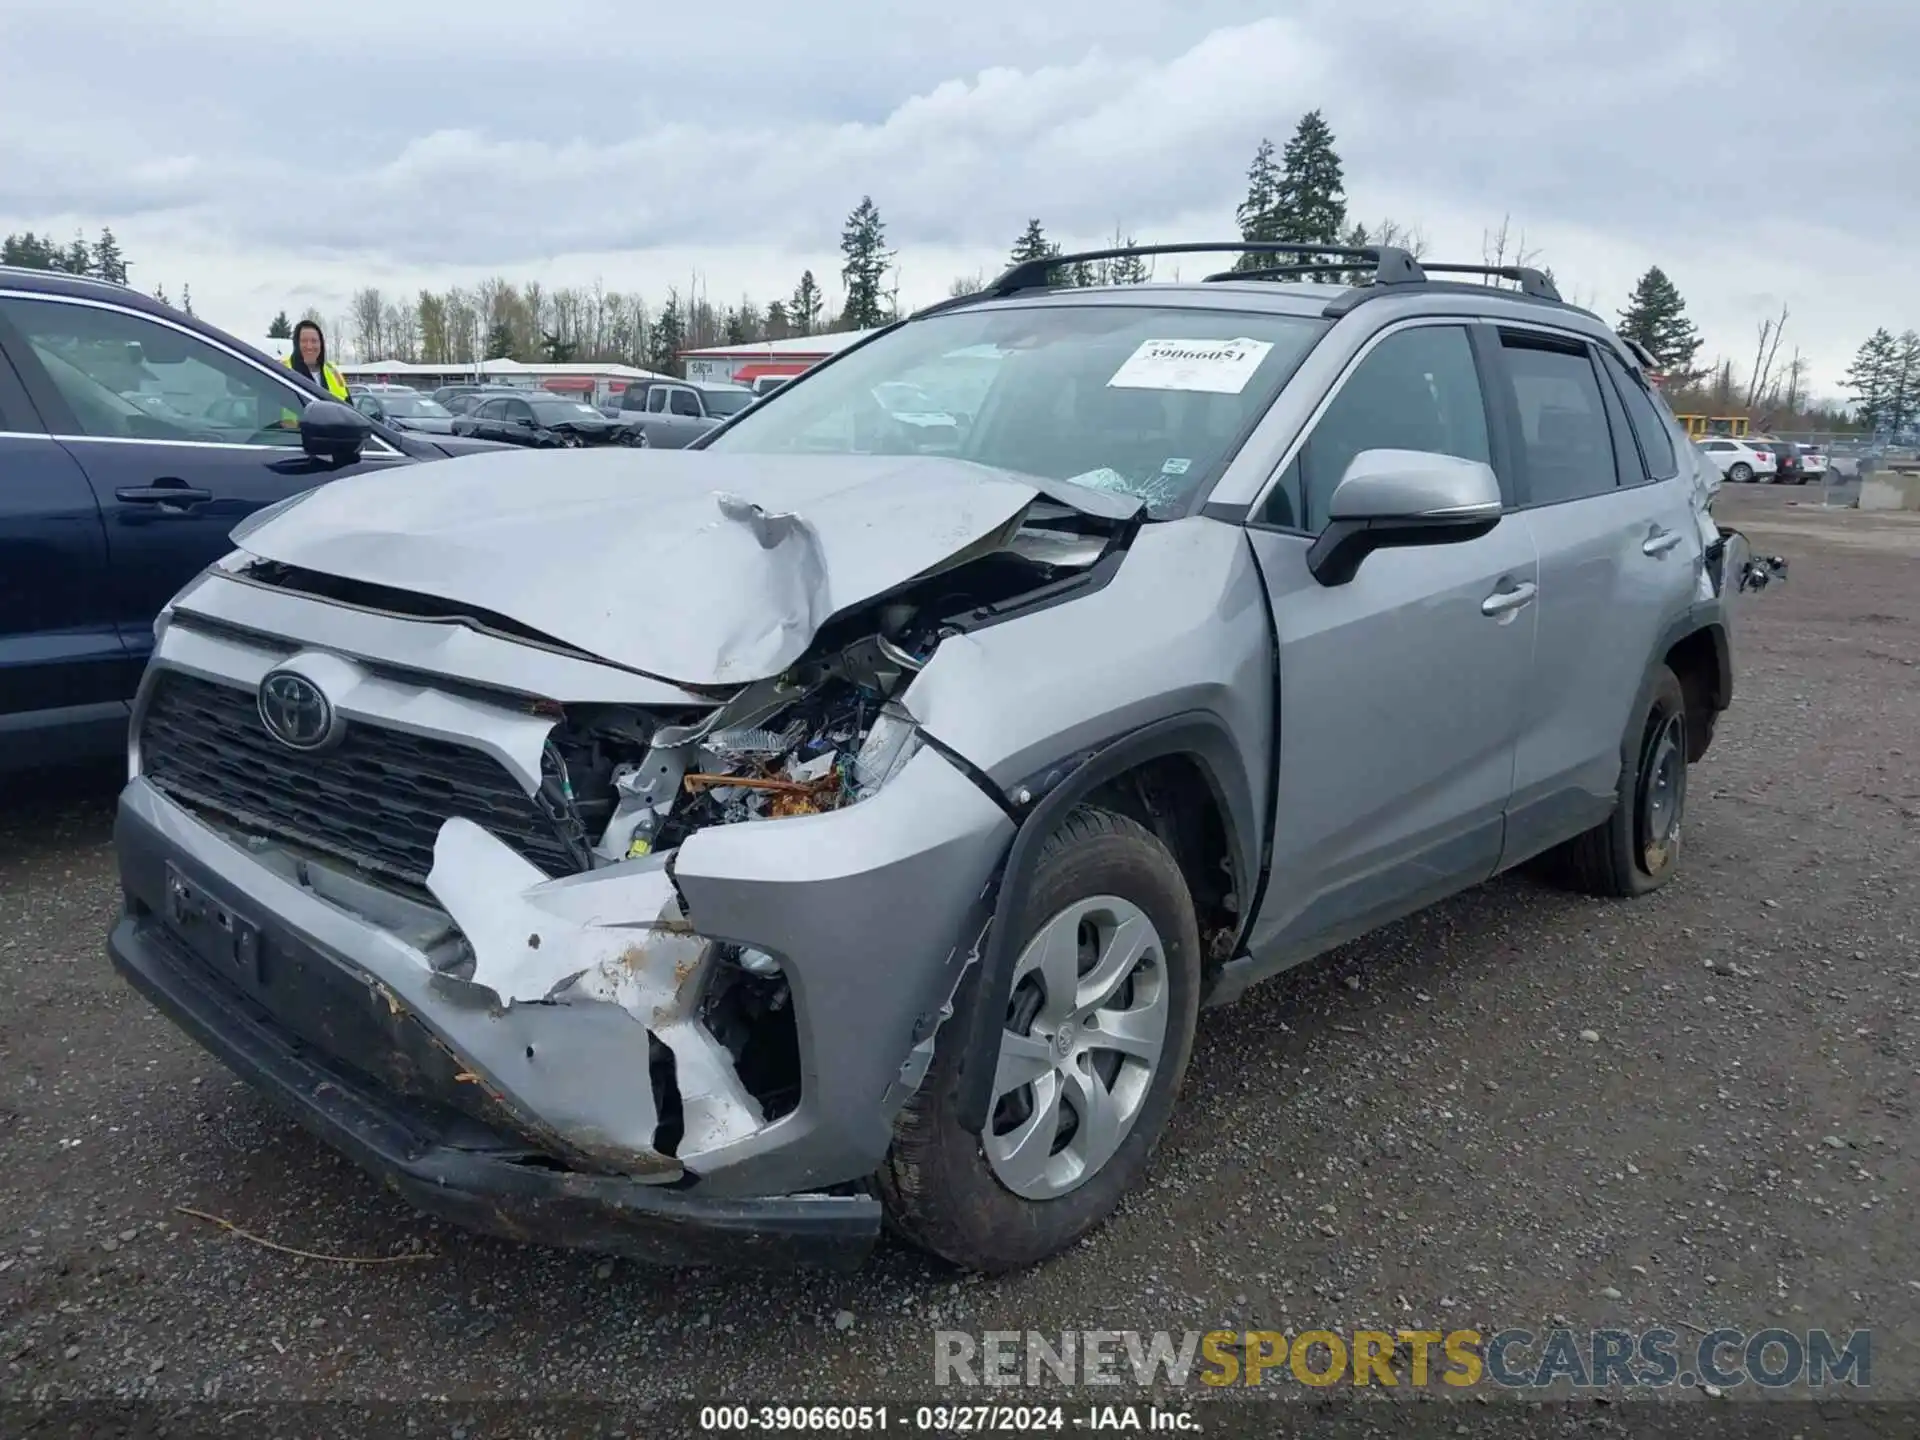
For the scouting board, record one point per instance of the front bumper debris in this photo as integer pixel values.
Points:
(531, 1049)
(462, 1173)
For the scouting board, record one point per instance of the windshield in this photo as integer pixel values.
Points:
(559, 412)
(900, 397)
(727, 402)
(412, 407)
(1148, 401)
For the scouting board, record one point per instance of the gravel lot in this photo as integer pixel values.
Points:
(1412, 1132)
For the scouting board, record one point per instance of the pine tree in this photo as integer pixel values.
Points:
(1255, 214)
(77, 259)
(1871, 380)
(1904, 385)
(778, 325)
(863, 243)
(1126, 269)
(1310, 205)
(803, 312)
(281, 328)
(186, 299)
(108, 263)
(28, 251)
(1032, 245)
(1122, 269)
(160, 294)
(1656, 317)
(499, 340)
(666, 338)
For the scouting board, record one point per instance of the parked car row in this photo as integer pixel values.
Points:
(542, 421)
(674, 413)
(1760, 457)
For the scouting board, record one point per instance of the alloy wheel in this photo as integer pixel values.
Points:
(1086, 1027)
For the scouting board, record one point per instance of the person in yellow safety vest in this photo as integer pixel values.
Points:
(308, 357)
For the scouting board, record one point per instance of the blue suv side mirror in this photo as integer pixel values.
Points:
(333, 433)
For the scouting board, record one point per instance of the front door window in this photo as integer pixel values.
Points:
(127, 377)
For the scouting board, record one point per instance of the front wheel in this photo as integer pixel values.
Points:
(1741, 473)
(1637, 849)
(1098, 1030)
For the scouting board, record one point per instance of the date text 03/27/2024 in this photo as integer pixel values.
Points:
(944, 1419)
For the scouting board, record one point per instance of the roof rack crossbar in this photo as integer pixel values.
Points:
(1286, 272)
(1531, 281)
(1390, 265)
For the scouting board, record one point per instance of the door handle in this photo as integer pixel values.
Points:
(1505, 602)
(162, 493)
(1659, 542)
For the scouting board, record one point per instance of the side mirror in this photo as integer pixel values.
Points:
(1393, 498)
(333, 432)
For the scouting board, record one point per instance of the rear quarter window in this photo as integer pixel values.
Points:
(1649, 424)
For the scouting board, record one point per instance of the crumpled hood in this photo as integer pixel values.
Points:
(696, 567)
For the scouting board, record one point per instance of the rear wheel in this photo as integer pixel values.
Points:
(1740, 473)
(1093, 1049)
(1637, 848)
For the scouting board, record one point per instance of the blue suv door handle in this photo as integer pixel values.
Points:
(161, 494)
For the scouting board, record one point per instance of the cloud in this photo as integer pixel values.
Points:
(417, 149)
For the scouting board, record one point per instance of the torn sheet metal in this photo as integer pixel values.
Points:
(705, 568)
(535, 940)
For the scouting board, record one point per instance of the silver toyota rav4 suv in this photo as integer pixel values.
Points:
(708, 855)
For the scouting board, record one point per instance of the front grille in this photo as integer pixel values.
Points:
(377, 799)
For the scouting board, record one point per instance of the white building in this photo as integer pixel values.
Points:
(598, 383)
(743, 364)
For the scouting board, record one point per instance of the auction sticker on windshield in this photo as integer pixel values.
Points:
(1218, 367)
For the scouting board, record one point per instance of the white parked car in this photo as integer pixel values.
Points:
(1814, 461)
(1737, 460)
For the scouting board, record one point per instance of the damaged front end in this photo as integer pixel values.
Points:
(656, 939)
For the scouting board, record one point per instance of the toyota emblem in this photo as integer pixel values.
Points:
(296, 712)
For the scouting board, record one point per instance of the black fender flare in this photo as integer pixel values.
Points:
(1708, 617)
(1040, 804)
(1705, 617)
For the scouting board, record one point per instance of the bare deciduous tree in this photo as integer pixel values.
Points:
(1503, 247)
(1763, 356)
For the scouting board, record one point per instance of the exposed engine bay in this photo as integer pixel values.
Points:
(623, 783)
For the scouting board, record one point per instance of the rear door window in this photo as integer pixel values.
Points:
(1564, 435)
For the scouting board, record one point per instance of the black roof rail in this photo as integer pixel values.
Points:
(1531, 281)
(1285, 272)
(1390, 265)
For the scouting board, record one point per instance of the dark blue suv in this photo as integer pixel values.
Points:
(132, 439)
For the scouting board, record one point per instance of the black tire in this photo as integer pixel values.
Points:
(1740, 473)
(1619, 857)
(937, 1185)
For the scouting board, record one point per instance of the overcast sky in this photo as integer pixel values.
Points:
(281, 155)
